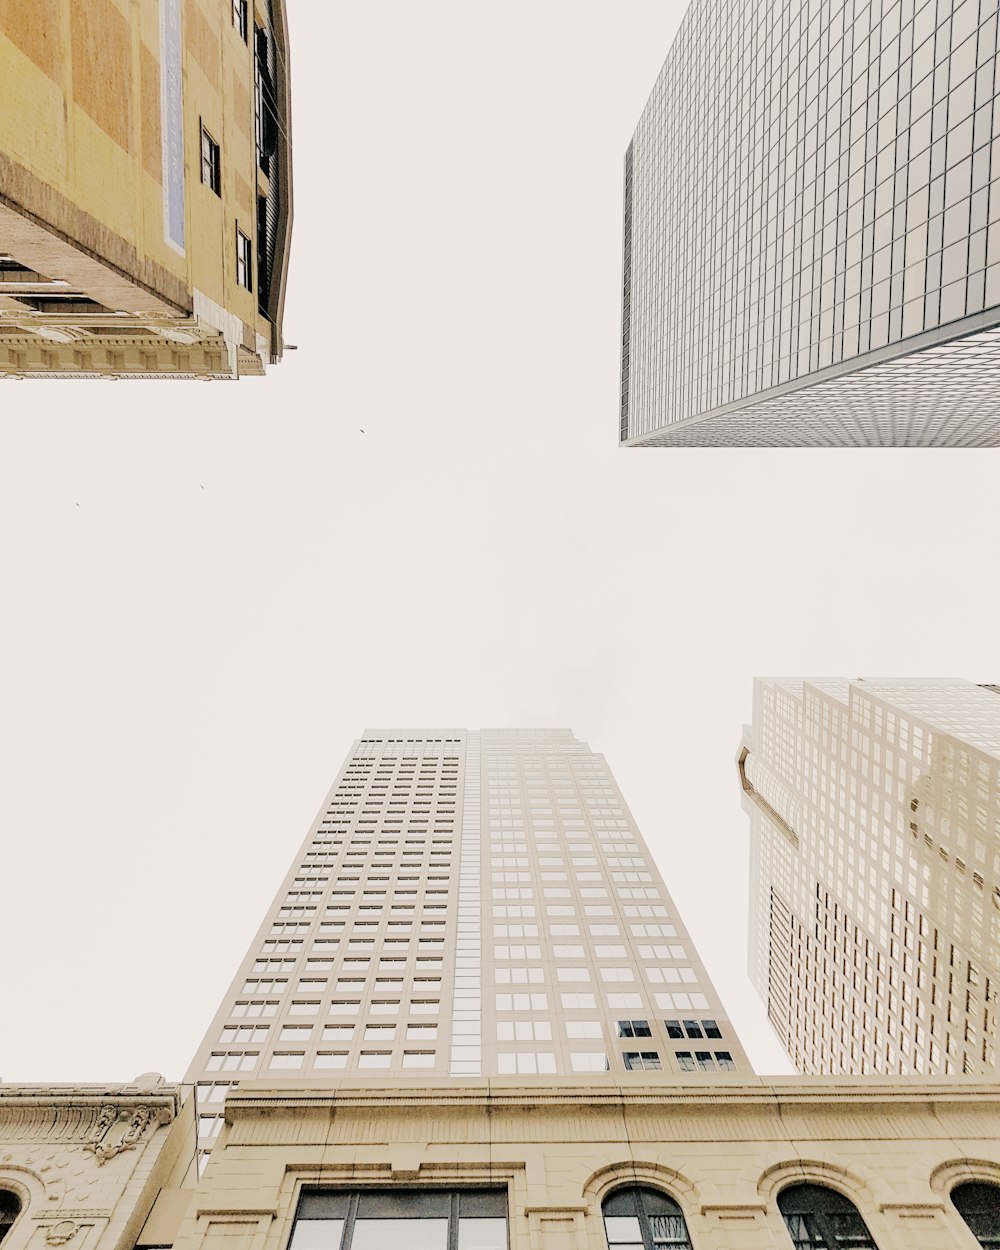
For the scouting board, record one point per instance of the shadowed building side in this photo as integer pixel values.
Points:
(145, 187)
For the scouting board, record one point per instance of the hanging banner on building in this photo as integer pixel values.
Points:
(172, 123)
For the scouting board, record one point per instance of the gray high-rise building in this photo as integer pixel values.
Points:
(468, 904)
(812, 230)
(875, 872)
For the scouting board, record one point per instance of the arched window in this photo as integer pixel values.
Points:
(10, 1209)
(818, 1218)
(978, 1203)
(644, 1219)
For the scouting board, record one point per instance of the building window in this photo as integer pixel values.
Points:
(10, 1209)
(641, 1060)
(244, 273)
(211, 162)
(978, 1203)
(644, 1219)
(240, 18)
(818, 1218)
(381, 1219)
(634, 1028)
(589, 1061)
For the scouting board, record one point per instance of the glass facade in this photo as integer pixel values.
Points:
(812, 193)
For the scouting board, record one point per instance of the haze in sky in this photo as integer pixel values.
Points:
(210, 590)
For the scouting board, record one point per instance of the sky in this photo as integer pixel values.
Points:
(419, 518)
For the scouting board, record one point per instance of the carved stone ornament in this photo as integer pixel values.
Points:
(115, 1131)
(62, 1232)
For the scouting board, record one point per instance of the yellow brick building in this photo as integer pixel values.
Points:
(145, 188)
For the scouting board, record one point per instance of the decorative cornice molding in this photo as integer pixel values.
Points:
(780, 1097)
(105, 1119)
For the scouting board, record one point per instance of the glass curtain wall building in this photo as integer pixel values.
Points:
(812, 229)
(875, 872)
(468, 904)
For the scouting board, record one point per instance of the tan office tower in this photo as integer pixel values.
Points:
(875, 871)
(467, 904)
(145, 187)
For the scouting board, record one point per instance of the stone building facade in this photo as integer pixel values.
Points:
(80, 1166)
(726, 1156)
(145, 187)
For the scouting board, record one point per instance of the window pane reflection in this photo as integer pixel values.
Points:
(317, 1235)
(391, 1234)
(482, 1234)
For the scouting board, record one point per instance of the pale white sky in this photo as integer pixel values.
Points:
(210, 590)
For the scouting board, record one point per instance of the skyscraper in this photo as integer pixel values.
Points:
(875, 871)
(812, 230)
(145, 187)
(468, 904)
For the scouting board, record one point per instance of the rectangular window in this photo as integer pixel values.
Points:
(211, 162)
(286, 1059)
(418, 1058)
(589, 1061)
(634, 1028)
(240, 18)
(525, 1062)
(420, 1219)
(375, 1059)
(645, 1060)
(244, 264)
(584, 1028)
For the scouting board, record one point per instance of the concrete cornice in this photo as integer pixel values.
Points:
(775, 1095)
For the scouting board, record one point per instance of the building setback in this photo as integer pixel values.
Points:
(145, 187)
(468, 904)
(875, 872)
(812, 230)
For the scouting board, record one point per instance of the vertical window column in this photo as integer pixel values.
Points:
(466, 1023)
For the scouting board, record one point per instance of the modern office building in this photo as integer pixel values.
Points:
(468, 904)
(812, 230)
(481, 901)
(145, 187)
(875, 872)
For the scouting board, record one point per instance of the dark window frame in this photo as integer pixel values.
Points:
(820, 1218)
(211, 161)
(648, 1060)
(430, 1202)
(634, 1028)
(978, 1203)
(646, 1204)
(244, 260)
(11, 1207)
(241, 19)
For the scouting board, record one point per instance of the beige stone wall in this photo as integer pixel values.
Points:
(81, 163)
(88, 1161)
(723, 1152)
